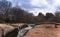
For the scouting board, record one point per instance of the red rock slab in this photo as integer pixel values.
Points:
(40, 23)
(6, 28)
(57, 32)
(18, 24)
(41, 32)
(58, 23)
(46, 25)
(1, 33)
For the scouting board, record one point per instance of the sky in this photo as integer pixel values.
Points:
(36, 6)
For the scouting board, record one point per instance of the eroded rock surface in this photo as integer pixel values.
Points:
(42, 31)
(9, 29)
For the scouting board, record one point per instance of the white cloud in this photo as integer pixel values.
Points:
(42, 5)
(35, 11)
(57, 2)
(49, 7)
(38, 2)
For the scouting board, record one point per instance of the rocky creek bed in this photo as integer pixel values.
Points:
(29, 30)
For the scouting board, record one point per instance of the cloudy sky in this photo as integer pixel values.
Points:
(36, 6)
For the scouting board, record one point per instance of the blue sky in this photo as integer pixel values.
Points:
(36, 6)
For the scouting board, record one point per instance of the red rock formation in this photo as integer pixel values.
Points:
(41, 17)
(41, 31)
(10, 30)
(1, 32)
(49, 16)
